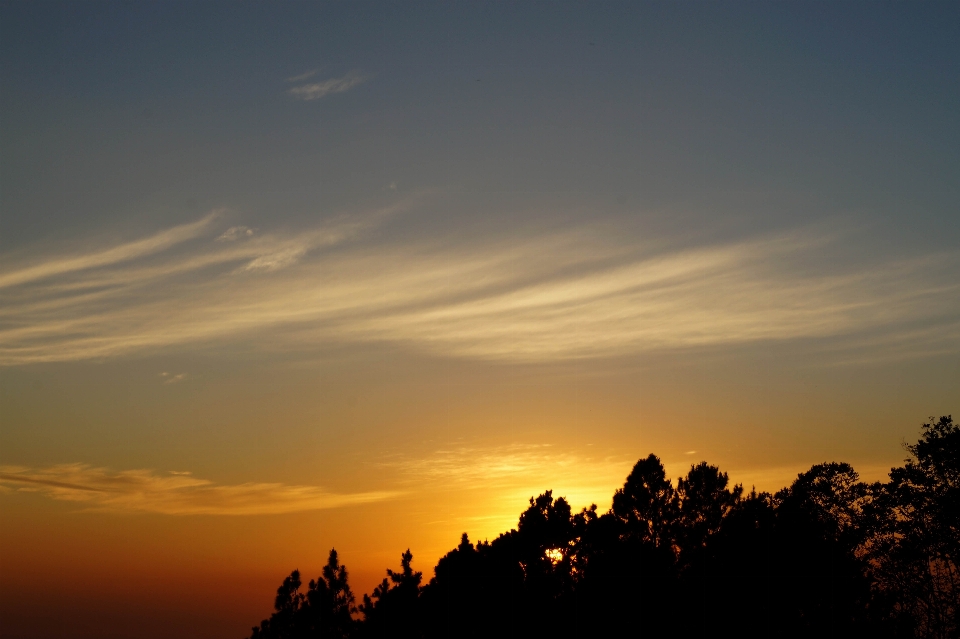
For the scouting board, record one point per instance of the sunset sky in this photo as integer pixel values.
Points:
(281, 277)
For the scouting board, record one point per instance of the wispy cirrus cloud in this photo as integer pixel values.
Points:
(99, 304)
(569, 294)
(174, 493)
(235, 233)
(303, 76)
(515, 472)
(108, 257)
(317, 90)
(277, 259)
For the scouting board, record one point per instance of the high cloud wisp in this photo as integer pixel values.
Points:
(172, 493)
(569, 294)
(317, 90)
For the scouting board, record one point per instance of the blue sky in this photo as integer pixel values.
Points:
(771, 115)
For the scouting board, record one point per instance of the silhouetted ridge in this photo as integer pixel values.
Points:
(829, 556)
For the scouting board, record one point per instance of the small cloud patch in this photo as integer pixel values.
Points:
(276, 261)
(303, 76)
(317, 90)
(235, 233)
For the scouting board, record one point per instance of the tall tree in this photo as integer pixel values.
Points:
(323, 612)
(704, 500)
(282, 624)
(647, 503)
(915, 545)
(329, 603)
(824, 584)
(393, 608)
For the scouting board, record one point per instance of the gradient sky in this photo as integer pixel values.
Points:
(281, 277)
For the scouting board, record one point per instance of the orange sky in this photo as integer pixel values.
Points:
(199, 546)
(276, 279)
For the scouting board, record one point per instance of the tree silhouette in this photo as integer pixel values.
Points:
(915, 542)
(323, 611)
(828, 556)
(283, 622)
(477, 591)
(647, 503)
(330, 602)
(392, 610)
(824, 584)
(704, 501)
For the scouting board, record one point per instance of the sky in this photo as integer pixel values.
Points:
(277, 278)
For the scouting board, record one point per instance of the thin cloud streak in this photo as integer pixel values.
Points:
(122, 253)
(303, 76)
(235, 233)
(568, 295)
(175, 493)
(172, 378)
(317, 90)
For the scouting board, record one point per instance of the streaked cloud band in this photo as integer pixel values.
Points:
(146, 491)
(569, 294)
(111, 256)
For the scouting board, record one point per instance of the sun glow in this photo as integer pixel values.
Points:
(554, 555)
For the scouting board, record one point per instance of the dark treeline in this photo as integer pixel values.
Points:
(828, 556)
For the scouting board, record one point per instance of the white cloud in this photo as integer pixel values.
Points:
(174, 493)
(235, 233)
(170, 378)
(317, 90)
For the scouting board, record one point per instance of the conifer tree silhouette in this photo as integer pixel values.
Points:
(827, 556)
(324, 611)
(393, 608)
(915, 534)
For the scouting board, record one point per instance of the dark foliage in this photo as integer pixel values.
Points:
(914, 535)
(394, 608)
(325, 610)
(829, 556)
